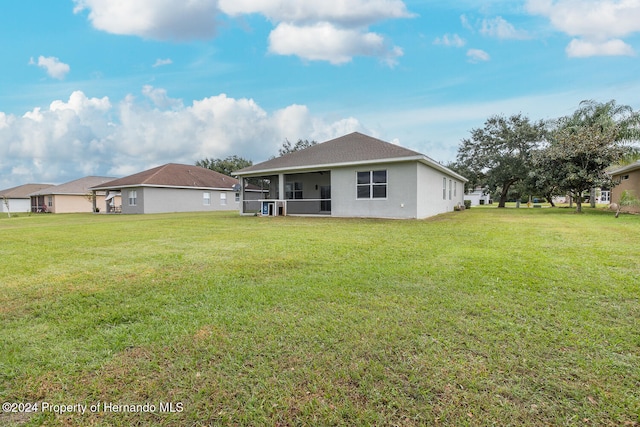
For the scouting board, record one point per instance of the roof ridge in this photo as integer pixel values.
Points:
(159, 169)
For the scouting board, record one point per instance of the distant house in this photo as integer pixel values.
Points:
(71, 197)
(478, 196)
(18, 197)
(171, 188)
(628, 179)
(353, 176)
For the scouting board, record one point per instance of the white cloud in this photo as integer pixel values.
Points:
(500, 28)
(155, 19)
(183, 20)
(325, 42)
(450, 40)
(94, 136)
(160, 62)
(345, 12)
(477, 55)
(55, 68)
(597, 25)
(325, 30)
(580, 48)
(159, 97)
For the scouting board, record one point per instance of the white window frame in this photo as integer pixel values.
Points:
(372, 185)
(293, 190)
(206, 198)
(133, 197)
(223, 199)
(444, 188)
(237, 198)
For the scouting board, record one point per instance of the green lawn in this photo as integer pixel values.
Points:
(482, 317)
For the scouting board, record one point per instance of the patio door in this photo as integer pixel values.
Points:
(325, 196)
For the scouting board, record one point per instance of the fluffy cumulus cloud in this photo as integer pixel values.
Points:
(155, 19)
(95, 136)
(598, 26)
(326, 42)
(325, 30)
(332, 30)
(54, 67)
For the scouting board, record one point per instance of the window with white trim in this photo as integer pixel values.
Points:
(372, 185)
(50, 201)
(293, 190)
(237, 197)
(133, 197)
(444, 188)
(450, 185)
(206, 198)
(455, 188)
(223, 199)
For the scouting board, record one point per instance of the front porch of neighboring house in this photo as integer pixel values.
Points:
(41, 204)
(287, 194)
(112, 200)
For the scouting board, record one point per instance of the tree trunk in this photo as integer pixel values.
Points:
(503, 194)
(578, 205)
(550, 200)
(592, 197)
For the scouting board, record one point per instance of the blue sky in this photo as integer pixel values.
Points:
(105, 87)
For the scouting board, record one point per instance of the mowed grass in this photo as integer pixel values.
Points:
(482, 317)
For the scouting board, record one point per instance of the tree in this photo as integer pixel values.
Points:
(225, 166)
(582, 145)
(500, 153)
(5, 200)
(287, 147)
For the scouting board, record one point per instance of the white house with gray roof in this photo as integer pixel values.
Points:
(353, 176)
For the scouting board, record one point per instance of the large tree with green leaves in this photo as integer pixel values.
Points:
(581, 146)
(500, 153)
(225, 166)
(288, 147)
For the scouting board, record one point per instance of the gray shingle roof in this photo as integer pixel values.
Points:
(173, 175)
(77, 187)
(22, 191)
(348, 149)
(354, 147)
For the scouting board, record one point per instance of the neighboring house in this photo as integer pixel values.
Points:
(18, 197)
(479, 196)
(354, 176)
(627, 179)
(172, 188)
(71, 197)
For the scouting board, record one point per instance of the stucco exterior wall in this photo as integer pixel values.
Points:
(431, 200)
(160, 200)
(631, 184)
(16, 205)
(401, 192)
(63, 203)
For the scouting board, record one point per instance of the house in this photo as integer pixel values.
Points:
(627, 179)
(71, 197)
(353, 176)
(478, 196)
(16, 199)
(171, 188)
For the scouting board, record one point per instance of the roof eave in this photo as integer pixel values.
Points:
(183, 187)
(311, 168)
